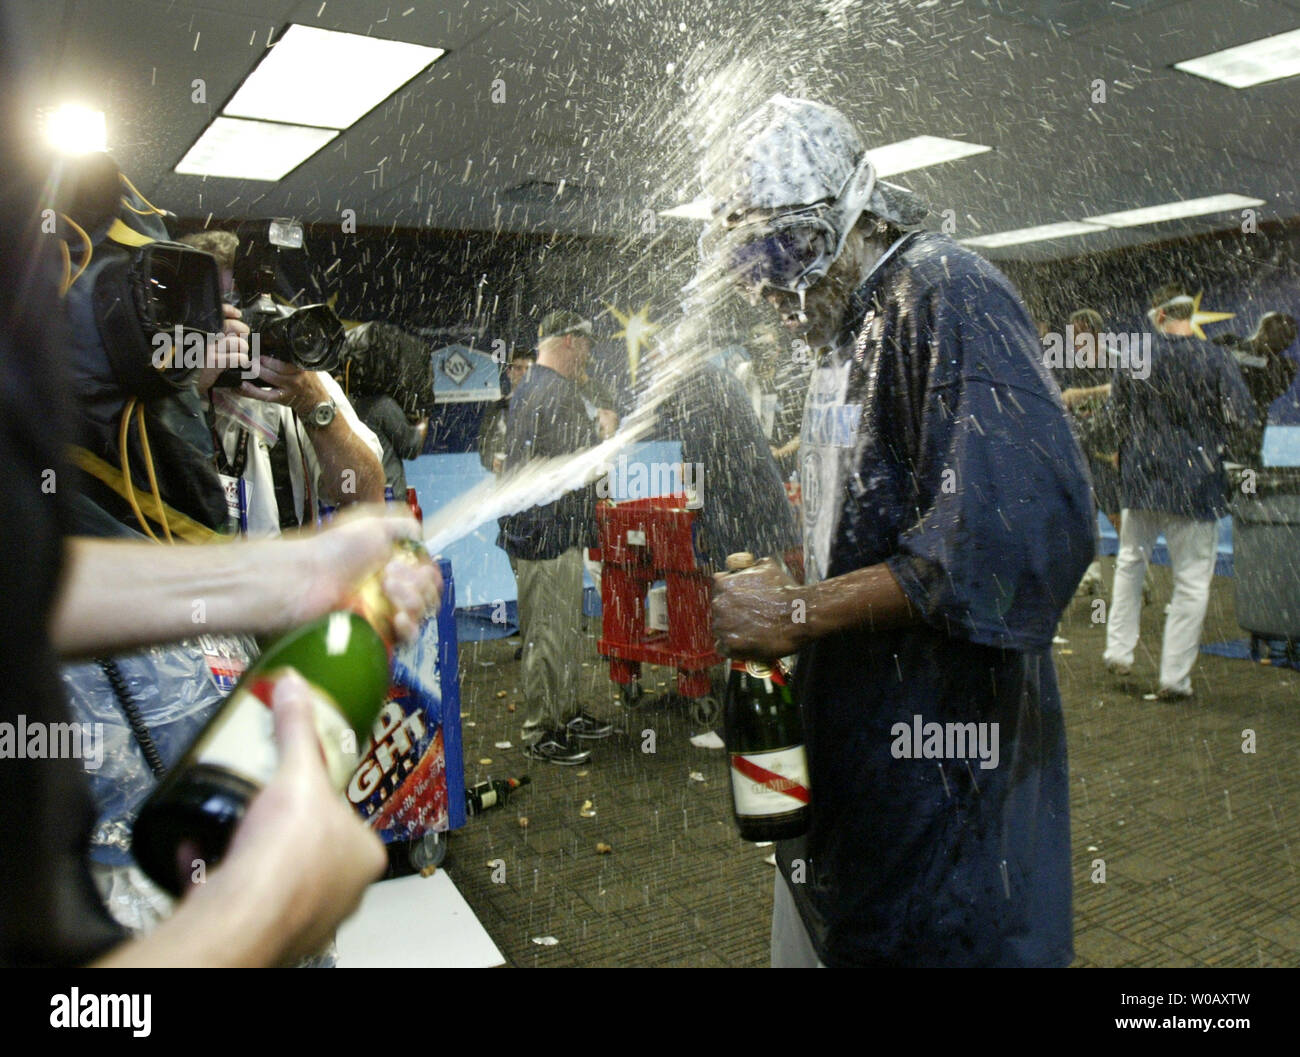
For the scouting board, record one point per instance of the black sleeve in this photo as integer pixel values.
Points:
(387, 418)
(50, 913)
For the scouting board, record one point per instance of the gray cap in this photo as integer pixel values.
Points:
(795, 152)
(562, 321)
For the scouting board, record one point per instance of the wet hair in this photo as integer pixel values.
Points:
(1088, 319)
(221, 244)
(1275, 332)
(1167, 293)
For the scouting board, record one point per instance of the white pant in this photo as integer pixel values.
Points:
(791, 946)
(1191, 555)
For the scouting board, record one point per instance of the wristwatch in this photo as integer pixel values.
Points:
(321, 415)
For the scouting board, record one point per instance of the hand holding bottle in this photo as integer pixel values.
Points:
(753, 613)
(359, 541)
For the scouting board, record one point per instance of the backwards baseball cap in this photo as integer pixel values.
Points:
(560, 322)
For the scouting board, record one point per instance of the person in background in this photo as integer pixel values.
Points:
(492, 433)
(399, 437)
(492, 427)
(548, 418)
(600, 403)
(1087, 398)
(1268, 372)
(295, 440)
(1173, 426)
(925, 599)
(301, 859)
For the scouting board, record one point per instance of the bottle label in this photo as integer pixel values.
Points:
(770, 783)
(243, 738)
(489, 798)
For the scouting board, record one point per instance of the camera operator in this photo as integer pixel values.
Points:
(292, 437)
(300, 859)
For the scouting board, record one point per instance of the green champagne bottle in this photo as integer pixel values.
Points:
(200, 801)
(763, 729)
(492, 793)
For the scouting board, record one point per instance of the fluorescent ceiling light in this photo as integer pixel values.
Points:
(1194, 207)
(326, 78)
(918, 152)
(1260, 61)
(697, 209)
(75, 129)
(1063, 230)
(252, 150)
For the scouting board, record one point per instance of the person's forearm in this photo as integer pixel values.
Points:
(865, 598)
(220, 924)
(410, 443)
(120, 594)
(349, 471)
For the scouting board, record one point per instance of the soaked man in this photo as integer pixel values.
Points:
(948, 519)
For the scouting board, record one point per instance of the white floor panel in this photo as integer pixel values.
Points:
(415, 923)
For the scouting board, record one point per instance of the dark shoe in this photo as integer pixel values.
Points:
(588, 728)
(519, 654)
(1168, 693)
(554, 747)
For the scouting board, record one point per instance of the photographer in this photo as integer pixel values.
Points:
(300, 860)
(399, 437)
(291, 436)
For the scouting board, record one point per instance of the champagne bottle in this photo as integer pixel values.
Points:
(492, 793)
(763, 730)
(200, 801)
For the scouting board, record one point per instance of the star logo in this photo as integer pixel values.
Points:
(637, 330)
(1199, 317)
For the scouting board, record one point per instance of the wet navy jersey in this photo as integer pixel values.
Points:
(548, 419)
(1175, 425)
(934, 441)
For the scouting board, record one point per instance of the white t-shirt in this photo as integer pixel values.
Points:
(264, 422)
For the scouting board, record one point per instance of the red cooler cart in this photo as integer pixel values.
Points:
(643, 542)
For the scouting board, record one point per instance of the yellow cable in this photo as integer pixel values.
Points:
(128, 486)
(153, 209)
(65, 284)
(90, 250)
(183, 526)
(149, 471)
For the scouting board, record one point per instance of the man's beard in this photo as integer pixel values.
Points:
(826, 303)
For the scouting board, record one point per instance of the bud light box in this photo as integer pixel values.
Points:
(411, 779)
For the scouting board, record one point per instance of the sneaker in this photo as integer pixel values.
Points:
(588, 728)
(556, 747)
(1115, 668)
(1168, 693)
